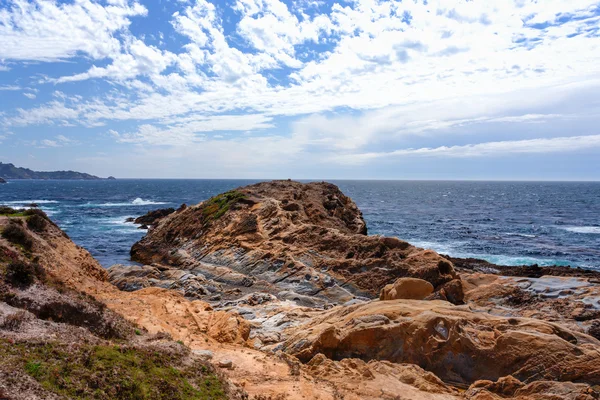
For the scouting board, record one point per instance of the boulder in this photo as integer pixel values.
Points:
(407, 288)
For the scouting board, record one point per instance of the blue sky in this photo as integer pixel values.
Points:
(414, 89)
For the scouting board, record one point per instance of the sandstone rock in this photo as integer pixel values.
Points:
(407, 288)
(225, 364)
(452, 342)
(226, 327)
(307, 241)
(511, 388)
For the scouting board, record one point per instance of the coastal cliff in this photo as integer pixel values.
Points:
(279, 293)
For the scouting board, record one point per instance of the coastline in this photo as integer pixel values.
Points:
(280, 291)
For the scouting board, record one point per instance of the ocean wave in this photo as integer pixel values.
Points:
(137, 202)
(119, 220)
(517, 261)
(24, 202)
(583, 229)
(525, 235)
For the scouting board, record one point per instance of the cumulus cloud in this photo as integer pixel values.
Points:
(343, 78)
(43, 30)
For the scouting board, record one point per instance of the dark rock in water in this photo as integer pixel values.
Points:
(152, 217)
(308, 241)
(2, 180)
(32, 205)
(529, 271)
(111, 178)
(144, 226)
(130, 219)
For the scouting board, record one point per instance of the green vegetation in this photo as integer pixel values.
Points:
(112, 372)
(215, 207)
(11, 212)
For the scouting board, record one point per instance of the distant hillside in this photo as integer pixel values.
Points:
(9, 171)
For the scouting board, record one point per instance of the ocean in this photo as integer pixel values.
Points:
(509, 223)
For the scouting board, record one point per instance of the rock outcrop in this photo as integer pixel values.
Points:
(452, 342)
(2, 180)
(307, 242)
(152, 217)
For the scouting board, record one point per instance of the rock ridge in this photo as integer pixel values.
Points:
(301, 239)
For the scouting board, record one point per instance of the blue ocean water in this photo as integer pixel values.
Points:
(510, 223)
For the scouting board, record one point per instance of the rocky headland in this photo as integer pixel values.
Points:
(10, 171)
(280, 293)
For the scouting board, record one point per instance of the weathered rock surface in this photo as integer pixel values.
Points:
(453, 342)
(307, 240)
(407, 288)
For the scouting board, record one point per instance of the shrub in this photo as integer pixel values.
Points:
(35, 211)
(19, 273)
(36, 223)
(15, 234)
(4, 210)
(217, 206)
(12, 322)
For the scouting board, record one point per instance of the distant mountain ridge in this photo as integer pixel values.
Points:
(9, 171)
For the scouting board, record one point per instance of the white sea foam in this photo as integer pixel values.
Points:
(516, 261)
(583, 229)
(142, 202)
(137, 202)
(525, 235)
(24, 202)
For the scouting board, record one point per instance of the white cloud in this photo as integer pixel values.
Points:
(532, 146)
(355, 75)
(29, 95)
(137, 59)
(58, 141)
(43, 30)
(191, 130)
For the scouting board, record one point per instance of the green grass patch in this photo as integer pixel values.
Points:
(215, 207)
(112, 372)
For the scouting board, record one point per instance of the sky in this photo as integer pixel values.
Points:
(305, 89)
